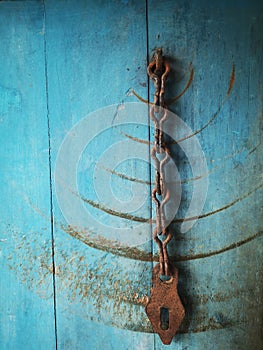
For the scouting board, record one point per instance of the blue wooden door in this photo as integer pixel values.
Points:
(75, 246)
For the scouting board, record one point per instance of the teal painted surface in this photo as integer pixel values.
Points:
(61, 61)
(223, 290)
(26, 283)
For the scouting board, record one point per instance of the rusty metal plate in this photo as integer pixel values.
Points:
(164, 299)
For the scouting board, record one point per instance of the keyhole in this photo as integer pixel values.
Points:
(164, 318)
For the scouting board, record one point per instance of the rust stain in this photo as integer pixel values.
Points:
(30, 258)
(134, 253)
(103, 244)
(173, 100)
(220, 251)
(133, 179)
(139, 97)
(178, 220)
(107, 245)
(219, 209)
(232, 81)
(79, 281)
(82, 283)
(213, 169)
(136, 139)
(126, 177)
(114, 212)
(210, 121)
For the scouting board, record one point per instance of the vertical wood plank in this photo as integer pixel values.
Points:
(220, 281)
(26, 284)
(96, 53)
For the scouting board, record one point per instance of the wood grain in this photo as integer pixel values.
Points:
(26, 287)
(67, 287)
(220, 110)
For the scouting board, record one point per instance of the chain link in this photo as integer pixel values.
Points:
(164, 295)
(158, 71)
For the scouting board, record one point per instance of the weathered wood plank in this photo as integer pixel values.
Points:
(26, 283)
(96, 52)
(220, 283)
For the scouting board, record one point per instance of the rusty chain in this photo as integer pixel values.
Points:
(164, 308)
(158, 71)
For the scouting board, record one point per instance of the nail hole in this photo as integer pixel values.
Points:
(164, 318)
